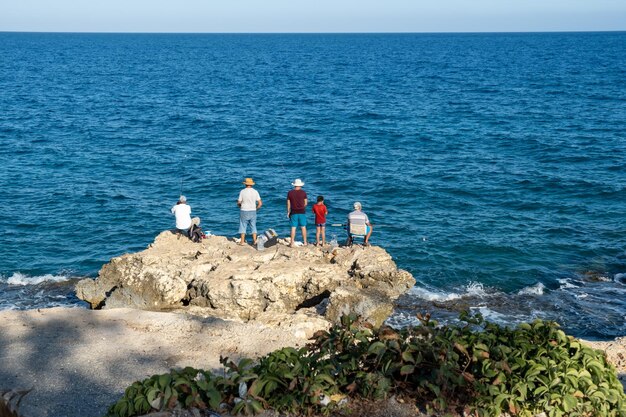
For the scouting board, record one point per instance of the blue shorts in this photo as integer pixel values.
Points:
(296, 220)
(320, 224)
(247, 218)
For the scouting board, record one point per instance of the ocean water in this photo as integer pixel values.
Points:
(493, 165)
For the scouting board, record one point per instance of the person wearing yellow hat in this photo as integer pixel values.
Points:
(249, 202)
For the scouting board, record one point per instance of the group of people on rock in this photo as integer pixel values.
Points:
(250, 202)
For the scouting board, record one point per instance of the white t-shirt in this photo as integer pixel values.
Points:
(358, 217)
(183, 216)
(248, 198)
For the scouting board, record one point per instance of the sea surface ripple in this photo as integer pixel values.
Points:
(494, 165)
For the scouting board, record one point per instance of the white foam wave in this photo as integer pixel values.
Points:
(620, 278)
(492, 316)
(402, 320)
(429, 295)
(473, 289)
(537, 289)
(566, 283)
(536, 314)
(21, 279)
(476, 289)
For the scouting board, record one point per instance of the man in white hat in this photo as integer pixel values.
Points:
(249, 201)
(182, 212)
(358, 217)
(296, 210)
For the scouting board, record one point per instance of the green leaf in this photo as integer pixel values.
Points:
(535, 370)
(408, 357)
(256, 387)
(522, 388)
(215, 398)
(164, 380)
(376, 348)
(326, 378)
(256, 406)
(598, 394)
(569, 403)
(407, 370)
(499, 399)
(481, 346)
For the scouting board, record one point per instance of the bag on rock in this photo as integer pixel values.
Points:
(272, 238)
(195, 233)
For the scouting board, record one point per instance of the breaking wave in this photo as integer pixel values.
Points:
(569, 301)
(22, 279)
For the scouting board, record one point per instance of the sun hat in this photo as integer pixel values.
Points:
(357, 205)
(182, 199)
(248, 181)
(298, 183)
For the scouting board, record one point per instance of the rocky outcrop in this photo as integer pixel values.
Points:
(233, 281)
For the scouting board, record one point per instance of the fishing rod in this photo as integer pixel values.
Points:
(345, 224)
(183, 170)
(423, 238)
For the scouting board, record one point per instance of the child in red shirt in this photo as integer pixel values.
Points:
(320, 211)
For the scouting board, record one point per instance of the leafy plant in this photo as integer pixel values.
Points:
(477, 368)
(183, 389)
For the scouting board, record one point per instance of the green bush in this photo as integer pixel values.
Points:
(477, 367)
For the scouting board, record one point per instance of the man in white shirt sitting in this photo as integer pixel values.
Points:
(359, 220)
(183, 215)
(249, 201)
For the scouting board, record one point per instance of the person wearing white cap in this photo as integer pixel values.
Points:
(249, 201)
(357, 217)
(296, 210)
(182, 212)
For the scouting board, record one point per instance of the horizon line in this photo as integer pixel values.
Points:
(311, 33)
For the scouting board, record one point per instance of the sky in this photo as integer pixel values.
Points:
(312, 16)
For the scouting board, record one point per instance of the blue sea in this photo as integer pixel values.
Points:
(493, 165)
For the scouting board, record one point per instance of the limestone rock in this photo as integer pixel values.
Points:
(232, 281)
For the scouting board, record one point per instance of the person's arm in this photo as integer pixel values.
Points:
(239, 200)
(288, 207)
(173, 210)
(306, 202)
(259, 203)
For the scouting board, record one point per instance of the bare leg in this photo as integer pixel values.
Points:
(293, 237)
(367, 238)
(317, 235)
(303, 228)
(254, 238)
(323, 235)
(243, 239)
